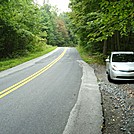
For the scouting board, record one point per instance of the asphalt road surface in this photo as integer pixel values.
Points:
(38, 97)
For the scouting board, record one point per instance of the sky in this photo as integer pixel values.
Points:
(62, 5)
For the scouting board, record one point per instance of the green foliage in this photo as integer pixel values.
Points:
(56, 26)
(71, 39)
(7, 63)
(48, 23)
(20, 29)
(26, 27)
(97, 21)
(91, 58)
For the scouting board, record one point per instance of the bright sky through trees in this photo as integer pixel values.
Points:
(62, 5)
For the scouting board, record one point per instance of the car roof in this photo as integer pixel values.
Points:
(123, 52)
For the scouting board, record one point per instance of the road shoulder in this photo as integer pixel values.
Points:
(86, 116)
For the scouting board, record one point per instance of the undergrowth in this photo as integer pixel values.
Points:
(91, 58)
(7, 63)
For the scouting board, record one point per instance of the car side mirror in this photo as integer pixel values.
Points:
(107, 60)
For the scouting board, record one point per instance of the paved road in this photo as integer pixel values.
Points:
(42, 103)
(54, 94)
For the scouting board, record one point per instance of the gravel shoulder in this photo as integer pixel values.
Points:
(117, 103)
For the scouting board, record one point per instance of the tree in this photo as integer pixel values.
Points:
(71, 39)
(103, 22)
(56, 26)
(19, 27)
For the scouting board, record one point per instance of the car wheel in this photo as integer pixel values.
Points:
(109, 78)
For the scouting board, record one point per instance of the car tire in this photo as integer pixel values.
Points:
(109, 78)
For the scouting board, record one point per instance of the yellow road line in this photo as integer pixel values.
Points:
(31, 77)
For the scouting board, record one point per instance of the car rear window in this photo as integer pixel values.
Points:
(123, 58)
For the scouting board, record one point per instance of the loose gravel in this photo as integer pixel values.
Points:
(117, 103)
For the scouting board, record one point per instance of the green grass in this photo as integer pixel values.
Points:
(90, 58)
(9, 63)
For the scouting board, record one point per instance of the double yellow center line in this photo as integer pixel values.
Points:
(31, 77)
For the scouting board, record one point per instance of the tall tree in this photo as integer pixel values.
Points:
(19, 26)
(103, 21)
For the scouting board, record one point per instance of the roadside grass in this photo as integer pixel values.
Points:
(90, 58)
(9, 63)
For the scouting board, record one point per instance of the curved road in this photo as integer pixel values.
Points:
(37, 99)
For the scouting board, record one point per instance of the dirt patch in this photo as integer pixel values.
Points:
(117, 102)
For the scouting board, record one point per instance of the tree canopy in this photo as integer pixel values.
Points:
(104, 22)
(97, 25)
(26, 26)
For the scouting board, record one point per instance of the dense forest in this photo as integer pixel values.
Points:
(99, 26)
(103, 25)
(27, 27)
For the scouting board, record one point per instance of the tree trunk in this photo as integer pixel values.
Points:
(105, 47)
(112, 43)
(118, 40)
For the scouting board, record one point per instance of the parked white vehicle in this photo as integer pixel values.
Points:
(120, 66)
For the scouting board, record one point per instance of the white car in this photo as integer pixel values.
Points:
(120, 66)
